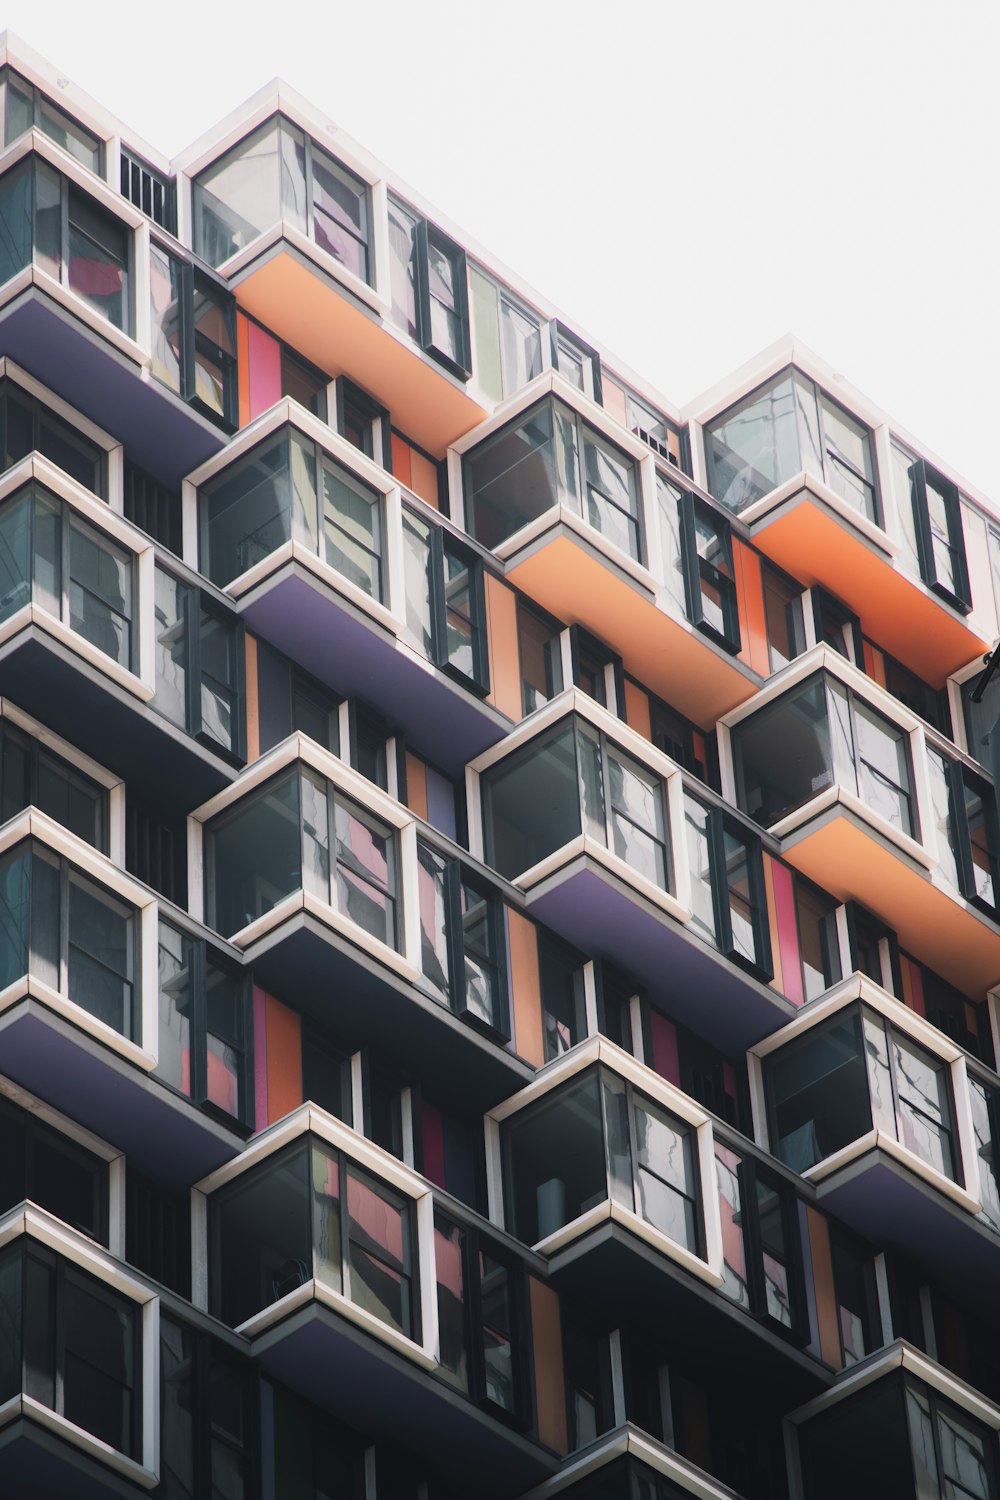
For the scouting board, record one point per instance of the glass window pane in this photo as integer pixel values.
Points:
(97, 260)
(520, 346)
(734, 1250)
(329, 1255)
(165, 293)
(261, 1240)
(554, 1165)
(100, 593)
(254, 855)
(700, 870)
(366, 873)
(448, 1259)
(754, 446)
(100, 956)
(170, 620)
(353, 530)
(511, 478)
(99, 1337)
(257, 504)
(665, 1174)
(379, 1253)
(432, 898)
(783, 754)
(531, 803)
(241, 195)
(498, 1327)
(817, 1093)
(176, 989)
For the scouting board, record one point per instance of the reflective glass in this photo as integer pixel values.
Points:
(100, 592)
(817, 1093)
(261, 1235)
(165, 316)
(254, 855)
(531, 803)
(511, 478)
(754, 447)
(734, 1250)
(699, 868)
(554, 1161)
(97, 259)
(353, 530)
(100, 958)
(520, 345)
(241, 195)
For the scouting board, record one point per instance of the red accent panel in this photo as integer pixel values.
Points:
(264, 359)
(433, 1143)
(664, 1038)
(788, 932)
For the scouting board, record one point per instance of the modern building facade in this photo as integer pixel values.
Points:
(498, 888)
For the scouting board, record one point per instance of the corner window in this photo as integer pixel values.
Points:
(727, 887)
(937, 514)
(462, 940)
(299, 833)
(33, 776)
(482, 1316)
(279, 174)
(709, 582)
(194, 336)
(42, 1165)
(23, 106)
(837, 626)
(72, 1344)
(27, 425)
(546, 457)
(311, 1212)
(199, 666)
(204, 1028)
(783, 428)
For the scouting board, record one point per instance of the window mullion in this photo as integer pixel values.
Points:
(64, 928)
(719, 880)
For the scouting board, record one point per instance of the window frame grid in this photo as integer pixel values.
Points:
(697, 571)
(427, 237)
(922, 477)
(197, 959)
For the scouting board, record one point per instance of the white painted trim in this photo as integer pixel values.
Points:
(901, 1355)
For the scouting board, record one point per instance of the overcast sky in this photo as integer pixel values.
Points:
(687, 181)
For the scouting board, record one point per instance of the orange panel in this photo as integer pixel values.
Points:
(424, 478)
(637, 709)
(501, 632)
(810, 543)
(614, 400)
(305, 309)
(845, 859)
(778, 982)
(550, 1386)
(284, 1060)
(750, 593)
(401, 460)
(525, 987)
(416, 786)
(243, 366)
(253, 707)
(826, 1297)
(874, 663)
(577, 586)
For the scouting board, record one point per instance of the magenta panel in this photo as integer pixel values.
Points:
(663, 1034)
(788, 932)
(264, 359)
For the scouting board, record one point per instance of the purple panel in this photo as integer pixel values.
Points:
(354, 656)
(160, 433)
(705, 993)
(110, 1098)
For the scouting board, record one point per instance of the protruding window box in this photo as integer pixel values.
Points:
(800, 470)
(318, 276)
(871, 1103)
(75, 283)
(78, 1373)
(865, 805)
(569, 501)
(589, 820)
(365, 587)
(77, 631)
(320, 1248)
(897, 1425)
(607, 1170)
(313, 873)
(78, 999)
(628, 1464)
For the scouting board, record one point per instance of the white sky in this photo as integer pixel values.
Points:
(687, 181)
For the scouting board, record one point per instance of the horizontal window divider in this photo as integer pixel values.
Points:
(296, 553)
(11, 370)
(900, 1355)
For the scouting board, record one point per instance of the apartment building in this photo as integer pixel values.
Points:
(499, 908)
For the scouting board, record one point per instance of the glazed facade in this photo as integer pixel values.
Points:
(499, 887)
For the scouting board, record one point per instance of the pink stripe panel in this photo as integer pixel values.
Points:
(664, 1038)
(788, 934)
(433, 1143)
(264, 359)
(259, 1057)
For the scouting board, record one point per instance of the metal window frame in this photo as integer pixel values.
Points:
(425, 237)
(697, 571)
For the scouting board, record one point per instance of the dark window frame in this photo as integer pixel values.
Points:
(41, 412)
(33, 1128)
(697, 571)
(922, 476)
(199, 607)
(455, 876)
(960, 780)
(196, 281)
(445, 546)
(475, 1244)
(753, 1175)
(719, 824)
(152, 192)
(582, 642)
(207, 1355)
(864, 926)
(826, 607)
(560, 335)
(427, 237)
(37, 97)
(199, 958)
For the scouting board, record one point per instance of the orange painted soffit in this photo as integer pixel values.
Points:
(848, 861)
(566, 578)
(319, 321)
(809, 541)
